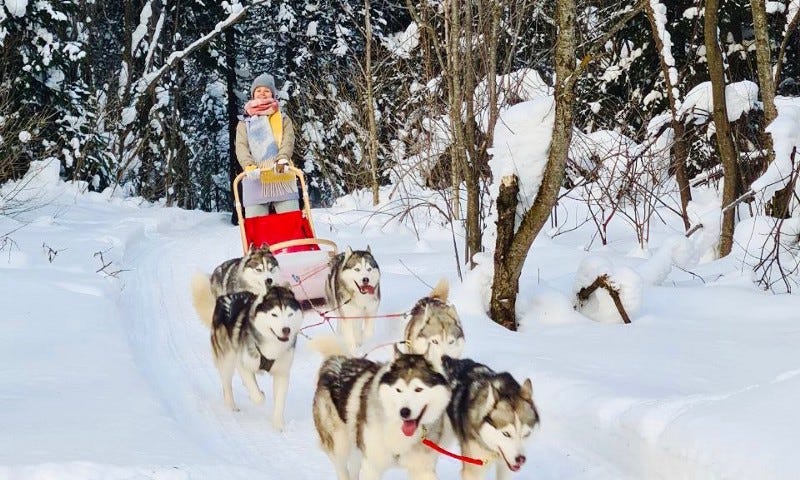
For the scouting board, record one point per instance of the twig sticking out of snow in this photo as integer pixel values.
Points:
(603, 282)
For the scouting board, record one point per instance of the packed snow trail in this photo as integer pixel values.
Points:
(171, 346)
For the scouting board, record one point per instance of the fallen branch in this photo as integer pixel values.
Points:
(602, 282)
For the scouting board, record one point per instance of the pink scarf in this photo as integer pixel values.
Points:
(261, 107)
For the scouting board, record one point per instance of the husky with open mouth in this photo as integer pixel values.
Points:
(492, 416)
(253, 334)
(353, 290)
(378, 413)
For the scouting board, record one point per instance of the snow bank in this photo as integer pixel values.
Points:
(785, 132)
(740, 97)
(521, 145)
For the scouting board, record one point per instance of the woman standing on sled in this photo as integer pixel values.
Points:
(264, 145)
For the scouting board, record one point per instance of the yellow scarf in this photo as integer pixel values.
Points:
(276, 123)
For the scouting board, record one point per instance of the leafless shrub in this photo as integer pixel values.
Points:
(616, 177)
(106, 265)
(18, 133)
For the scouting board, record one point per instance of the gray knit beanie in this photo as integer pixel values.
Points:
(264, 80)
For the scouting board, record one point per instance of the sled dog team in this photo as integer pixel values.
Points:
(370, 416)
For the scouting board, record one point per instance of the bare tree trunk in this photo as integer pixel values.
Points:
(504, 288)
(474, 154)
(780, 201)
(727, 150)
(510, 255)
(232, 108)
(455, 96)
(680, 150)
(764, 62)
(369, 97)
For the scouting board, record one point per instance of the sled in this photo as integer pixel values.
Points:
(304, 259)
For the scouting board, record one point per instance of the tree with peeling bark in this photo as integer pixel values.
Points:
(725, 145)
(512, 245)
(512, 242)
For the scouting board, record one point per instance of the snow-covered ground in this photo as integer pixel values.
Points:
(105, 372)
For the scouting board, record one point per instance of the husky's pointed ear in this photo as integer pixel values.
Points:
(251, 247)
(526, 392)
(441, 290)
(286, 284)
(368, 249)
(397, 351)
(348, 251)
(491, 397)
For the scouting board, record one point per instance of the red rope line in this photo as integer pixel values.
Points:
(365, 317)
(462, 458)
(314, 271)
(327, 318)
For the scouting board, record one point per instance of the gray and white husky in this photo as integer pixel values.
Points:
(373, 416)
(253, 333)
(353, 290)
(434, 329)
(255, 272)
(492, 417)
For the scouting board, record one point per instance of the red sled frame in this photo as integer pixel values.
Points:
(290, 235)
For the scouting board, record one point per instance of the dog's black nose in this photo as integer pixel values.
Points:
(365, 280)
(405, 412)
(269, 281)
(286, 331)
(520, 459)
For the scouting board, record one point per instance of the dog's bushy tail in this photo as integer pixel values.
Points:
(328, 346)
(202, 298)
(441, 290)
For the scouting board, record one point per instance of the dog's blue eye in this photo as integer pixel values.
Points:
(506, 434)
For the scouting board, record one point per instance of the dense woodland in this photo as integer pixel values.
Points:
(143, 96)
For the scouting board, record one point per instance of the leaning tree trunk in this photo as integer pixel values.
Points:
(680, 150)
(727, 150)
(510, 253)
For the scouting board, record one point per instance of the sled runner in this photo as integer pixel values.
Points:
(303, 258)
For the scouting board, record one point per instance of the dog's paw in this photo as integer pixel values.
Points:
(257, 398)
(277, 424)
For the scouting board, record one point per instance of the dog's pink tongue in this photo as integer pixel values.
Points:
(409, 427)
(367, 289)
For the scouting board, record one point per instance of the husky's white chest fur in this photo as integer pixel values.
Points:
(382, 411)
(353, 293)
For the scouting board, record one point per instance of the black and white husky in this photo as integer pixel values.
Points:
(378, 413)
(253, 333)
(492, 416)
(353, 290)
(434, 329)
(255, 272)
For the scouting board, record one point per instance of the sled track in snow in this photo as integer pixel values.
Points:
(172, 349)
